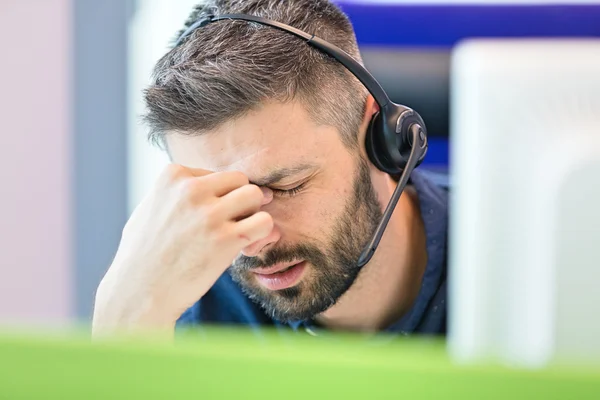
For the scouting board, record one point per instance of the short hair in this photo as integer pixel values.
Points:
(229, 68)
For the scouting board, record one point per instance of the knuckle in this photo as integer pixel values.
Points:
(190, 188)
(211, 218)
(222, 236)
(193, 191)
(173, 172)
(187, 193)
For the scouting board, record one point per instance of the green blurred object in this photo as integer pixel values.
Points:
(221, 363)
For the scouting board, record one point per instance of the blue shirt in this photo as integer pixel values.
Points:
(225, 303)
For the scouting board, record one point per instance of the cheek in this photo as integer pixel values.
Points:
(311, 214)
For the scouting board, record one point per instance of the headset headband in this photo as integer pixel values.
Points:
(340, 55)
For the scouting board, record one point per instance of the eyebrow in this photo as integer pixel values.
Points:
(279, 174)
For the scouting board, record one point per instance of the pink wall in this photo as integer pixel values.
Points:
(35, 186)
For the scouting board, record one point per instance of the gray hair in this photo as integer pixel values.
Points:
(229, 68)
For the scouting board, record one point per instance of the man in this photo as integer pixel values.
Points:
(271, 198)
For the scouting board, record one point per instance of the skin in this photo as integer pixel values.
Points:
(167, 240)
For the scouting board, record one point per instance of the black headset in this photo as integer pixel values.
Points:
(396, 140)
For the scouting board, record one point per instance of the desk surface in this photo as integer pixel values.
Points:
(233, 364)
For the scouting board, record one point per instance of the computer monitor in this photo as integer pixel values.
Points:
(525, 205)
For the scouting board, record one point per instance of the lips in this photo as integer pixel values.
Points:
(280, 276)
(275, 268)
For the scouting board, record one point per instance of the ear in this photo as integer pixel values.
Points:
(371, 108)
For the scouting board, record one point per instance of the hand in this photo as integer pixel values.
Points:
(177, 243)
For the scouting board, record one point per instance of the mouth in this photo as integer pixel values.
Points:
(280, 276)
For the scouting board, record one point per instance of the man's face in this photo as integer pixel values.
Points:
(324, 207)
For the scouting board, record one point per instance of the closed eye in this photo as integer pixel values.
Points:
(289, 192)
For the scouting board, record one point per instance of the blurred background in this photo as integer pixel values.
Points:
(76, 160)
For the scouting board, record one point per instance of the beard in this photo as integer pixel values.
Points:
(332, 265)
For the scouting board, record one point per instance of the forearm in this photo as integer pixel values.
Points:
(120, 313)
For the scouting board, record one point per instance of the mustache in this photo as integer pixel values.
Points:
(277, 255)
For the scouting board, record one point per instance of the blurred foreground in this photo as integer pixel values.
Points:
(236, 363)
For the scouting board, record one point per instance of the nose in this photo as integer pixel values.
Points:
(255, 248)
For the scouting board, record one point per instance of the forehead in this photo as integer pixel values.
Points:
(275, 135)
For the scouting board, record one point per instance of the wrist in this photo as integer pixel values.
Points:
(118, 311)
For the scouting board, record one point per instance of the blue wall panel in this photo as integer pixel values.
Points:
(442, 26)
(434, 25)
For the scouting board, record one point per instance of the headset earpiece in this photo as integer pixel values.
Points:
(389, 137)
(375, 146)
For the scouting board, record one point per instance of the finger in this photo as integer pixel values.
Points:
(199, 172)
(221, 183)
(268, 195)
(174, 172)
(241, 203)
(252, 229)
